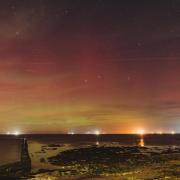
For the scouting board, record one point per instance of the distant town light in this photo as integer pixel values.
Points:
(8, 133)
(16, 133)
(172, 132)
(141, 131)
(97, 133)
(71, 132)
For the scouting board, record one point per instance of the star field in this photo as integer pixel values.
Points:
(80, 66)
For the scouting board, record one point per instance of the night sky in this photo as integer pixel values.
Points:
(87, 65)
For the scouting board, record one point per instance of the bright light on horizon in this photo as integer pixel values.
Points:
(71, 132)
(16, 133)
(140, 131)
(97, 132)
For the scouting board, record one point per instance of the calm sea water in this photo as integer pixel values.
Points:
(10, 149)
(10, 146)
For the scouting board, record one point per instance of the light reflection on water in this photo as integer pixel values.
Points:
(9, 151)
(97, 143)
(141, 142)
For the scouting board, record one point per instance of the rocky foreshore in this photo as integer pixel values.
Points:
(117, 162)
(100, 162)
(12, 170)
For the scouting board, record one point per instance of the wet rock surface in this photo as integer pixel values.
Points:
(125, 162)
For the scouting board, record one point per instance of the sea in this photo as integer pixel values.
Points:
(46, 145)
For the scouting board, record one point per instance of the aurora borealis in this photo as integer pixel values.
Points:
(83, 65)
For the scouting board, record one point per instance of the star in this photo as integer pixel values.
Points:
(99, 76)
(139, 44)
(17, 33)
(129, 78)
(13, 7)
(66, 12)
